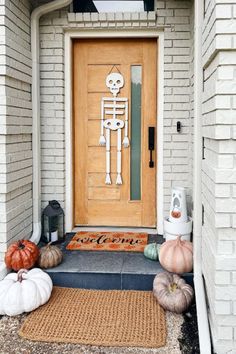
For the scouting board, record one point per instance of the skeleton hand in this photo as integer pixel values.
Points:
(102, 140)
(125, 142)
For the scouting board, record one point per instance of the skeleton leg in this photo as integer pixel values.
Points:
(126, 138)
(118, 178)
(102, 140)
(108, 157)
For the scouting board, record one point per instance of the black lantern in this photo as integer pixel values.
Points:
(53, 224)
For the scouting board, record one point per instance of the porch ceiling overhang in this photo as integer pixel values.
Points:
(89, 6)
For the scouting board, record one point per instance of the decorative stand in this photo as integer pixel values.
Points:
(178, 223)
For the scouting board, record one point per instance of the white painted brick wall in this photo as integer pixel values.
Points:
(219, 170)
(15, 123)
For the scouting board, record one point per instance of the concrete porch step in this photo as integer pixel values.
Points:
(107, 270)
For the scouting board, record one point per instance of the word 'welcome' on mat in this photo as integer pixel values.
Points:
(108, 241)
(117, 318)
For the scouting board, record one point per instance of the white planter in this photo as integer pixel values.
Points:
(173, 230)
(178, 206)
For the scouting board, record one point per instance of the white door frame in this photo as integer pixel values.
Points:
(147, 33)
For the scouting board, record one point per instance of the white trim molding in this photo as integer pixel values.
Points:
(202, 313)
(160, 134)
(76, 33)
(69, 187)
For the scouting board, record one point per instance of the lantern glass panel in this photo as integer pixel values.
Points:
(46, 227)
(60, 226)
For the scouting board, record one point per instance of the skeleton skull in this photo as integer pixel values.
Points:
(114, 82)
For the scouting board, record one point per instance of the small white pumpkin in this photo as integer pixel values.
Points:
(24, 291)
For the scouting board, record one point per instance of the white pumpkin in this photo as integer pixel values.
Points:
(24, 291)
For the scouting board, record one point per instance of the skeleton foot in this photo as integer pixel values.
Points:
(108, 179)
(118, 179)
(126, 142)
(102, 140)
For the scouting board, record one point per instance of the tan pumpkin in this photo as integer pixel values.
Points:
(172, 292)
(50, 256)
(176, 256)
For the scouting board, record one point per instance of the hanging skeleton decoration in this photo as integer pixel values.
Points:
(115, 107)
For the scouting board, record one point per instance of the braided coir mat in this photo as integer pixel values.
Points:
(97, 317)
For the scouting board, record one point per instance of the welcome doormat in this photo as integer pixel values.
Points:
(108, 241)
(115, 318)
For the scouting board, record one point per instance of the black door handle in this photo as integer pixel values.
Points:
(151, 144)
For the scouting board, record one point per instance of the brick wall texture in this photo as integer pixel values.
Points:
(15, 122)
(219, 170)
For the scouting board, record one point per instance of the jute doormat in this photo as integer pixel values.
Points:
(108, 241)
(96, 317)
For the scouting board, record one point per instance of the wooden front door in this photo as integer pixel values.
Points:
(132, 203)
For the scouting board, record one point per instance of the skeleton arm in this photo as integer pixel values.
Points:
(126, 138)
(102, 140)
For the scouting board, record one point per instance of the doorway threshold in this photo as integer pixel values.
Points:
(150, 231)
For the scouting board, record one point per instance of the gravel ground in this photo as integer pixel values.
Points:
(11, 343)
(189, 343)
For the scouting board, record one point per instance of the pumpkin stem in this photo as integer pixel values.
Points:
(173, 287)
(179, 238)
(21, 245)
(20, 274)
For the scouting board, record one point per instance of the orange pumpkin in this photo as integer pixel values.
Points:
(21, 254)
(176, 256)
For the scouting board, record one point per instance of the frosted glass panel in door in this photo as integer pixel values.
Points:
(135, 158)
